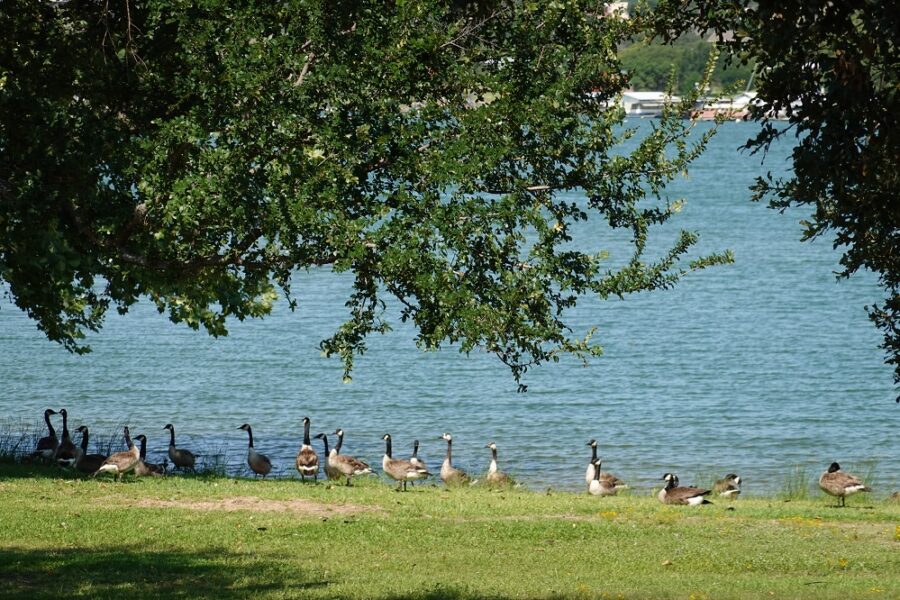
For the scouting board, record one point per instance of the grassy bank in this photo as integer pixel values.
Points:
(189, 537)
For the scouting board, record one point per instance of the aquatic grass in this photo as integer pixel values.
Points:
(213, 461)
(106, 441)
(796, 484)
(16, 440)
(867, 470)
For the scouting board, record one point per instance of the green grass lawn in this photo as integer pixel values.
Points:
(63, 536)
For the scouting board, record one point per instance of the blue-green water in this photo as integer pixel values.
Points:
(751, 368)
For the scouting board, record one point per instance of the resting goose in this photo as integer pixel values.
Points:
(307, 459)
(398, 469)
(672, 494)
(450, 475)
(258, 463)
(47, 445)
(121, 463)
(87, 463)
(342, 465)
(67, 452)
(181, 458)
(838, 483)
(494, 475)
(729, 486)
(142, 469)
(600, 486)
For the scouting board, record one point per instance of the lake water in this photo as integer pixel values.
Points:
(752, 368)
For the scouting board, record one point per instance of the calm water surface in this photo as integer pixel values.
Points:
(754, 368)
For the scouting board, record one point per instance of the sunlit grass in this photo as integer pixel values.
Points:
(236, 538)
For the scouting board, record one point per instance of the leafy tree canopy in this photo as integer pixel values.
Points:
(201, 153)
(834, 69)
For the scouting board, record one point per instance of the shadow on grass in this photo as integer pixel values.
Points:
(10, 469)
(126, 571)
(113, 572)
(36, 470)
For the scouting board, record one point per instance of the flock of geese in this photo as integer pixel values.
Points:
(66, 454)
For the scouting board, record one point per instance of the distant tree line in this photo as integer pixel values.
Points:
(650, 66)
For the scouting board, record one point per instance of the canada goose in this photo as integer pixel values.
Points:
(398, 469)
(331, 472)
(87, 463)
(121, 463)
(258, 463)
(589, 473)
(838, 483)
(729, 486)
(342, 465)
(600, 486)
(450, 475)
(67, 452)
(181, 458)
(47, 445)
(414, 459)
(307, 459)
(142, 468)
(494, 475)
(671, 494)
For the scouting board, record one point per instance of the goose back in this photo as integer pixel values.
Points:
(307, 460)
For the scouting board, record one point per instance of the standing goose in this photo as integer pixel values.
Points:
(67, 452)
(494, 475)
(672, 494)
(595, 460)
(450, 475)
(258, 463)
(398, 469)
(121, 463)
(47, 445)
(307, 459)
(87, 463)
(838, 483)
(142, 469)
(181, 458)
(729, 486)
(414, 459)
(600, 486)
(346, 464)
(342, 464)
(340, 440)
(589, 473)
(331, 471)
